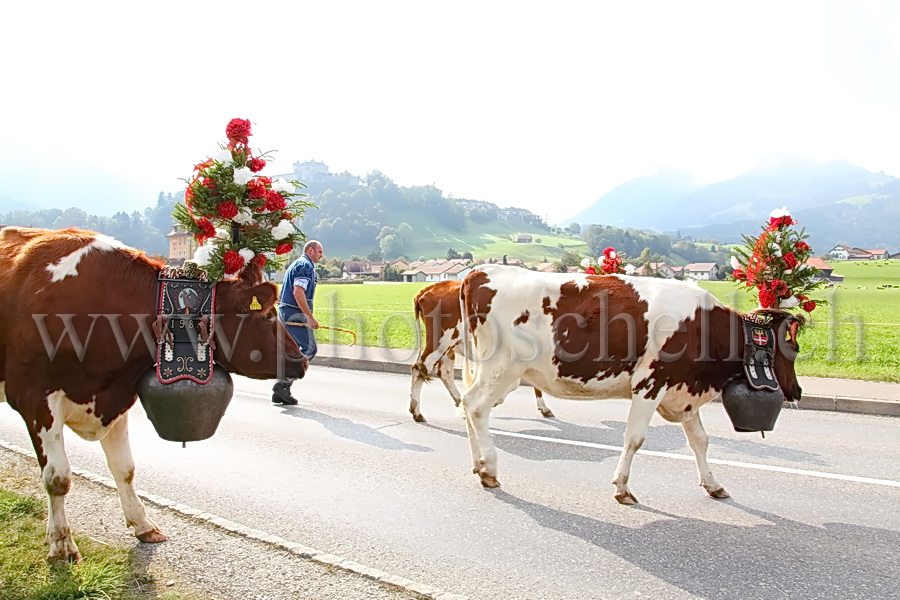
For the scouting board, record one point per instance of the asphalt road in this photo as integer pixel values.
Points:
(815, 508)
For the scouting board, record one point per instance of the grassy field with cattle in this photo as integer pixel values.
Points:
(856, 335)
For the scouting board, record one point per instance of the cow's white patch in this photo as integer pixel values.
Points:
(68, 265)
(2, 391)
(82, 419)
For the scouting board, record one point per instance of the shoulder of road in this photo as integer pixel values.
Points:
(819, 393)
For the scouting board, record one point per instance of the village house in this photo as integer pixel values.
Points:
(701, 271)
(827, 270)
(845, 252)
(355, 269)
(182, 246)
(434, 270)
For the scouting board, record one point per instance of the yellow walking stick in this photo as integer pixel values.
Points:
(327, 327)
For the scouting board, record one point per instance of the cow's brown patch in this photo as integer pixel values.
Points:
(707, 351)
(477, 298)
(523, 318)
(438, 307)
(599, 331)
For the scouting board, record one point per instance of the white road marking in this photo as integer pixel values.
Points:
(717, 461)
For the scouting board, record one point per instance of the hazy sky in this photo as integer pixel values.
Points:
(541, 105)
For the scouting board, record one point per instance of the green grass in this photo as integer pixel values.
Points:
(106, 573)
(856, 336)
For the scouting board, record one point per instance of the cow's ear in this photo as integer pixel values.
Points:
(251, 274)
(265, 293)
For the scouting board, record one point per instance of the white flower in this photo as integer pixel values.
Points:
(243, 217)
(735, 263)
(242, 175)
(776, 250)
(246, 254)
(613, 254)
(286, 228)
(585, 263)
(282, 185)
(223, 156)
(222, 234)
(779, 212)
(201, 255)
(790, 302)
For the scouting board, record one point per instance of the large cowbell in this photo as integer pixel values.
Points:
(753, 402)
(185, 395)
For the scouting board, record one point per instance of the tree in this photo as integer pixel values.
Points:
(451, 254)
(574, 228)
(467, 255)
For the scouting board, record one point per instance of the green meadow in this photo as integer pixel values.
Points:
(856, 335)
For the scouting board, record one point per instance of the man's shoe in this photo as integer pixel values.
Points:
(281, 394)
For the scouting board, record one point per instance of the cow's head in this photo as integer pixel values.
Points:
(250, 340)
(786, 327)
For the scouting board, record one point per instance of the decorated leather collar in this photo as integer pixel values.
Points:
(759, 352)
(184, 328)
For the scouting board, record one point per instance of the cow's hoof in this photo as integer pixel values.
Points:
(547, 413)
(154, 536)
(489, 481)
(718, 494)
(626, 498)
(71, 557)
(418, 418)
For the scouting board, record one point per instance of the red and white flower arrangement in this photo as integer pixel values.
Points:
(236, 214)
(607, 264)
(775, 263)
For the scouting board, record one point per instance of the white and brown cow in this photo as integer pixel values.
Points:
(437, 306)
(76, 336)
(667, 345)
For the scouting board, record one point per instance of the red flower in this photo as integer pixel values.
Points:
(233, 262)
(284, 248)
(238, 130)
(738, 274)
(257, 188)
(767, 299)
(207, 229)
(209, 184)
(256, 164)
(274, 201)
(801, 246)
(608, 250)
(287, 215)
(590, 271)
(204, 165)
(790, 260)
(227, 210)
(259, 259)
(809, 305)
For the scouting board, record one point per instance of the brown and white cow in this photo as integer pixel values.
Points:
(669, 346)
(76, 336)
(437, 306)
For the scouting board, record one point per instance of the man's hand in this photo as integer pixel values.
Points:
(311, 322)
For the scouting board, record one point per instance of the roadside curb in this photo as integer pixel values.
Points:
(307, 552)
(843, 404)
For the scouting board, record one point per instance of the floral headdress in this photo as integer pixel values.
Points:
(775, 263)
(237, 215)
(610, 262)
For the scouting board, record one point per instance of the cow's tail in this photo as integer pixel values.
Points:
(469, 366)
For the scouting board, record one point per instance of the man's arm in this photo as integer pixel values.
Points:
(300, 298)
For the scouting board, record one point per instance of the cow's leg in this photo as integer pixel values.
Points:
(478, 402)
(446, 366)
(56, 474)
(638, 420)
(541, 405)
(699, 442)
(121, 464)
(419, 376)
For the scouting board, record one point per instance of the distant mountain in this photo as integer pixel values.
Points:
(619, 206)
(836, 201)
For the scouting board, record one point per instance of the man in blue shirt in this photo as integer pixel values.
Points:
(295, 305)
